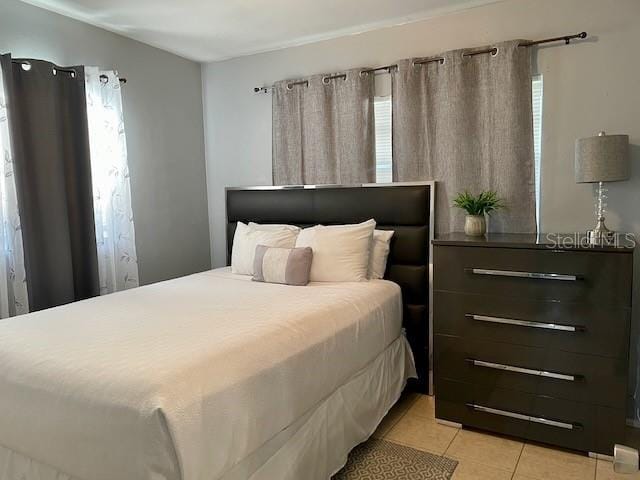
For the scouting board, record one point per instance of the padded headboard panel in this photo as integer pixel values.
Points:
(405, 208)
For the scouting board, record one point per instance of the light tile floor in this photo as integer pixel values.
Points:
(481, 456)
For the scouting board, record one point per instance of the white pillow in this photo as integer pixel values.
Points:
(247, 238)
(273, 226)
(340, 252)
(379, 253)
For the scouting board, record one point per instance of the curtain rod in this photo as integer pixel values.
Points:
(423, 61)
(56, 69)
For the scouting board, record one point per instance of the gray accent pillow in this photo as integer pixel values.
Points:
(289, 266)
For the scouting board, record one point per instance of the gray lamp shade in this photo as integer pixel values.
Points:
(604, 158)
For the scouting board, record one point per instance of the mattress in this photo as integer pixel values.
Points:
(312, 448)
(183, 379)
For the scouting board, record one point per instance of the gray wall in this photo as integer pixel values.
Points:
(588, 87)
(163, 115)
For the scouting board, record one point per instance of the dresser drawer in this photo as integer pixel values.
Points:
(591, 277)
(535, 370)
(564, 423)
(571, 327)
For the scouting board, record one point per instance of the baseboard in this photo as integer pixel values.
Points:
(448, 423)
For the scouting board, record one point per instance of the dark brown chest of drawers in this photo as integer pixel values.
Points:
(532, 339)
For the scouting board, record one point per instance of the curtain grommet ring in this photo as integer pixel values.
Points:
(363, 73)
(495, 51)
(289, 87)
(442, 61)
(325, 80)
(26, 66)
(54, 71)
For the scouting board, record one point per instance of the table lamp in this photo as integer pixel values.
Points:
(603, 158)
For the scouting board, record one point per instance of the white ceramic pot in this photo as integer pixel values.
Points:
(475, 225)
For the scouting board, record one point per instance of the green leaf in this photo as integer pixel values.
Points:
(481, 204)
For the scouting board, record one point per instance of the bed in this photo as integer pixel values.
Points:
(211, 376)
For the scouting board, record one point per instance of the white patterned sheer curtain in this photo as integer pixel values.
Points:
(115, 233)
(13, 280)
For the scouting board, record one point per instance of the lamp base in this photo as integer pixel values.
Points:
(601, 234)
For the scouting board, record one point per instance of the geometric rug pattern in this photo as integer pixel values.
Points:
(381, 460)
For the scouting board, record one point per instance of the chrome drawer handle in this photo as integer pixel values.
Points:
(512, 273)
(527, 323)
(527, 418)
(528, 371)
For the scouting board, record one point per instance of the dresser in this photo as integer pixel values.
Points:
(531, 337)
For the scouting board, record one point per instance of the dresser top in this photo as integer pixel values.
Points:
(564, 241)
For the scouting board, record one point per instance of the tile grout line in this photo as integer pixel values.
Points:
(603, 461)
(444, 453)
(452, 439)
(400, 417)
(513, 475)
(490, 465)
(404, 414)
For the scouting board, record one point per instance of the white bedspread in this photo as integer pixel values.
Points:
(182, 379)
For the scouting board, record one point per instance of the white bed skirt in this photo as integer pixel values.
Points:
(314, 447)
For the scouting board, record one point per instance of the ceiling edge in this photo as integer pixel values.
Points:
(357, 30)
(310, 39)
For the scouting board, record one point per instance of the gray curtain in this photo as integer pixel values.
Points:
(467, 124)
(323, 130)
(47, 114)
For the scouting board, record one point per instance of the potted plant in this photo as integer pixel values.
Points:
(477, 206)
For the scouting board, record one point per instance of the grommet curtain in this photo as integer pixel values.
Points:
(13, 279)
(47, 118)
(323, 130)
(467, 123)
(115, 232)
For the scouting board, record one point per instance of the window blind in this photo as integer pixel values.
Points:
(536, 97)
(382, 112)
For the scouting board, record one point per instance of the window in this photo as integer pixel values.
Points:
(536, 97)
(382, 113)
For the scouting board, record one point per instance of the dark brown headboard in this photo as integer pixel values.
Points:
(406, 208)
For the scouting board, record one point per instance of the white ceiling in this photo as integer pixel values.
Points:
(209, 30)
